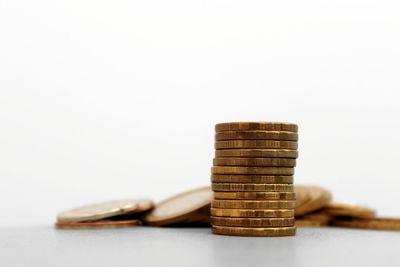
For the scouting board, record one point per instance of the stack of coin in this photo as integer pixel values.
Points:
(252, 179)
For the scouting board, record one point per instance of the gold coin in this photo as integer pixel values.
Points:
(318, 197)
(253, 204)
(102, 224)
(180, 208)
(252, 222)
(248, 126)
(348, 210)
(256, 153)
(308, 223)
(318, 216)
(239, 144)
(252, 170)
(252, 213)
(256, 135)
(104, 210)
(255, 179)
(246, 231)
(226, 187)
(256, 195)
(274, 162)
(371, 223)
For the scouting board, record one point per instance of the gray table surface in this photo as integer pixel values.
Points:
(151, 246)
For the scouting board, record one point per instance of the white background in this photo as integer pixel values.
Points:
(111, 99)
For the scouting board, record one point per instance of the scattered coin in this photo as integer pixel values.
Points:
(239, 144)
(254, 231)
(256, 195)
(355, 211)
(179, 208)
(370, 223)
(264, 126)
(104, 210)
(308, 223)
(247, 213)
(277, 162)
(101, 224)
(223, 187)
(253, 204)
(256, 153)
(253, 170)
(258, 135)
(318, 198)
(255, 179)
(252, 222)
(317, 216)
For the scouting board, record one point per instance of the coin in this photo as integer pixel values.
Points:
(308, 223)
(255, 179)
(258, 135)
(256, 153)
(371, 223)
(318, 216)
(101, 224)
(179, 208)
(223, 187)
(239, 144)
(252, 170)
(277, 162)
(253, 204)
(301, 195)
(105, 210)
(246, 231)
(318, 198)
(256, 195)
(264, 126)
(355, 211)
(247, 213)
(252, 222)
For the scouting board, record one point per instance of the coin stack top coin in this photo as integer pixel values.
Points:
(252, 179)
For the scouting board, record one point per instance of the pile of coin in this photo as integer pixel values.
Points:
(252, 179)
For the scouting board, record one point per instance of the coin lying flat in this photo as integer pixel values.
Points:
(252, 170)
(256, 153)
(277, 162)
(264, 126)
(104, 210)
(252, 222)
(257, 135)
(247, 213)
(318, 197)
(255, 179)
(179, 208)
(226, 187)
(101, 224)
(256, 195)
(308, 223)
(256, 231)
(239, 144)
(371, 223)
(319, 216)
(253, 204)
(355, 211)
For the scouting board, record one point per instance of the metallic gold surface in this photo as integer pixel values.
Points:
(252, 222)
(246, 231)
(253, 204)
(256, 195)
(256, 153)
(240, 144)
(105, 210)
(256, 135)
(264, 126)
(255, 179)
(102, 224)
(253, 170)
(318, 197)
(247, 213)
(180, 208)
(392, 224)
(228, 187)
(273, 162)
(349, 210)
